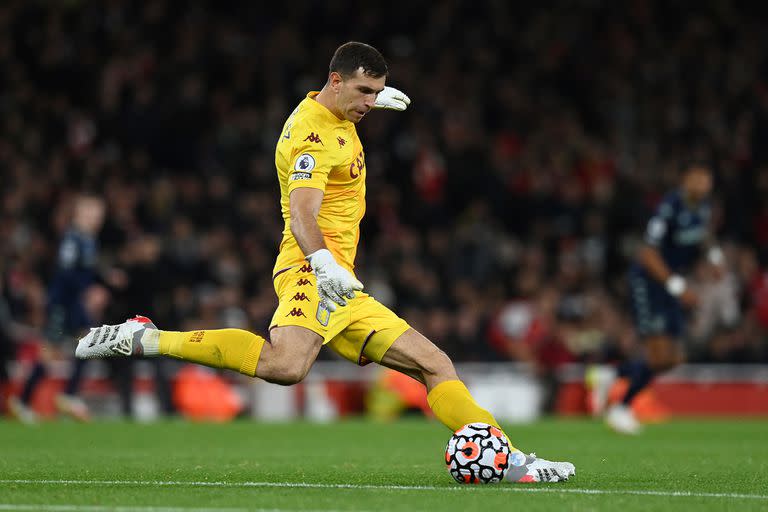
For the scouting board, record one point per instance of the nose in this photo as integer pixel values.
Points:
(370, 100)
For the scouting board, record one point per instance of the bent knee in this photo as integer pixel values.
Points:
(285, 379)
(284, 373)
(283, 369)
(288, 357)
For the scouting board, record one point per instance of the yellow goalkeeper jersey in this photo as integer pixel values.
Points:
(317, 149)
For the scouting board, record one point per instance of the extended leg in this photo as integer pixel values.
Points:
(285, 359)
(449, 398)
(416, 356)
(661, 354)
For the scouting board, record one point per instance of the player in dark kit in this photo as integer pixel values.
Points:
(675, 239)
(74, 286)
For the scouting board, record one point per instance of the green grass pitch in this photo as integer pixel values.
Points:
(357, 465)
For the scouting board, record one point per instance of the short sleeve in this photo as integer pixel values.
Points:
(311, 162)
(658, 226)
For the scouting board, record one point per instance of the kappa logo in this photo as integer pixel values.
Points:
(302, 282)
(341, 141)
(296, 312)
(305, 268)
(313, 137)
(300, 296)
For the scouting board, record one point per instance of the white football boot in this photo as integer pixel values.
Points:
(622, 420)
(525, 469)
(123, 340)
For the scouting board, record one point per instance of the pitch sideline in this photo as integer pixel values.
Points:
(556, 488)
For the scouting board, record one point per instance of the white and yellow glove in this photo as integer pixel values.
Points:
(334, 282)
(392, 99)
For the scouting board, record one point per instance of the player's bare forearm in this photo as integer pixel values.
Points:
(652, 261)
(335, 284)
(307, 234)
(305, 207)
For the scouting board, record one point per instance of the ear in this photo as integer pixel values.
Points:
(334, 80)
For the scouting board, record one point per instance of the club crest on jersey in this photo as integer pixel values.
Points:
(323, 314)
(304, 163)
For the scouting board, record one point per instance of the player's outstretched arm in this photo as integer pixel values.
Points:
(392, 99)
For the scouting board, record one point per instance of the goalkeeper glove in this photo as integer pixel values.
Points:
(392, 99)
(334, 282)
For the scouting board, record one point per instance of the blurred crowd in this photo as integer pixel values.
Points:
(503, 207)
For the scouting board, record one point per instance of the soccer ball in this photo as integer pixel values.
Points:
(477, 453)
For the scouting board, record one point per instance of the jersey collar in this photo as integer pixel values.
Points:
(313, 104)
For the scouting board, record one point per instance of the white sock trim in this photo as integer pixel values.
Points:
(150, 341)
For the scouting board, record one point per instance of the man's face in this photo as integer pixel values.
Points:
(356, 94)
(697, 184)
(89, 214)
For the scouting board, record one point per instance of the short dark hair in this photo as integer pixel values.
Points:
(353, 55)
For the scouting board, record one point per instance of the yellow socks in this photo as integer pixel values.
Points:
(233, 349)
(239, 350)
(454, 406)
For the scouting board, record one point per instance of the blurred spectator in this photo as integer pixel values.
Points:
(753, 331)
(526, 330)
(717, 312)
(7, 348)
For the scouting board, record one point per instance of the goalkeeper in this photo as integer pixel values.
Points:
(321, 169)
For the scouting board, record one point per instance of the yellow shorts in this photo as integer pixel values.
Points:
(362, 331)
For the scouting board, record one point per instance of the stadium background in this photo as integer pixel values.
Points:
(504, 205)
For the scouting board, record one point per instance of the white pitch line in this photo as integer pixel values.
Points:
(105, 508)
(555, 488)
